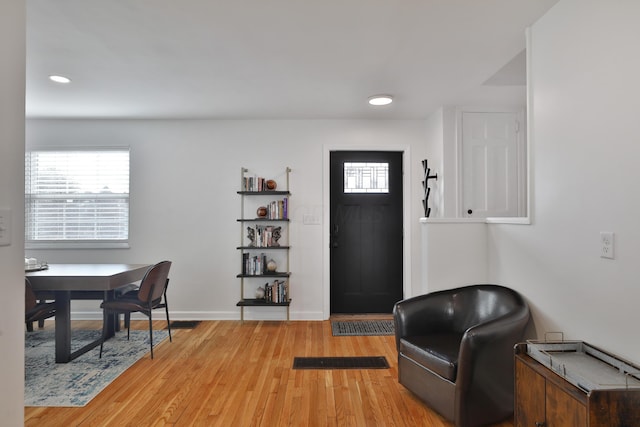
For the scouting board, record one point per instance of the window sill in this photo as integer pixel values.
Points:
(76, 245)
(524, 220)
(492, 220)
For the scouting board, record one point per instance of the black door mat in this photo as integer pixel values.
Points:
(184, 324)
(368, 362)
(362, 327)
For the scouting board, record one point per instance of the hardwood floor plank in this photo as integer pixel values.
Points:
(225, 373)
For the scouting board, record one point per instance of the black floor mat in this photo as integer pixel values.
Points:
(184, 324)
(370, 362)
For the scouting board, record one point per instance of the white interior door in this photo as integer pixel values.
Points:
(490, 164)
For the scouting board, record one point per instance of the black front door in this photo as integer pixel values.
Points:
(366, 231)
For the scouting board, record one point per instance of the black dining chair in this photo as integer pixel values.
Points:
(151, 295)
(131, 287)
(34, 310)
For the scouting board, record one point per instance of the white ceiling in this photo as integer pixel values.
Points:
(273, 59)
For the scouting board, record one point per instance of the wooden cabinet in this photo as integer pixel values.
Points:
(264, 247)
(544, 398)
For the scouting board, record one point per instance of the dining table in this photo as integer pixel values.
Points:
(66, 282)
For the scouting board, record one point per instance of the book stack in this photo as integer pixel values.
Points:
(265, 235)
(276, 292)
(253, 183)
(278, 209)
(254, 265)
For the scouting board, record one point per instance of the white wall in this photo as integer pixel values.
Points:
(584, 87)
(454, 253)
(435, 156)
(450, 173)
(184, 205)
(12, 84)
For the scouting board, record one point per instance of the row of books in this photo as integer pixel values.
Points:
(278, 209)
(276, 292)
(254, 183)
(254, 265)
(264, 236)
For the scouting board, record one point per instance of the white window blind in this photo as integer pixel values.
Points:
(77, 196)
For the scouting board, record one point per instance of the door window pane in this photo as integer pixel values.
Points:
(360, 177)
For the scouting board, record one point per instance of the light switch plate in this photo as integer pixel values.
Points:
(309, 219)
(5, 227)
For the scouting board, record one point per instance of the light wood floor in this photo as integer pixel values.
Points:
(227, 373)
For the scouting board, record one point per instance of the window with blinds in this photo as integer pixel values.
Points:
(76, 196)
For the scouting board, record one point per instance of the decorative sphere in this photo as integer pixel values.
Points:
(260, 293)
(261, 212)
(271, 265)
(271, 184)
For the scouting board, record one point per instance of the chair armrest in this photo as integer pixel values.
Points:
(422, 314)
(480, 343)
(485, 360)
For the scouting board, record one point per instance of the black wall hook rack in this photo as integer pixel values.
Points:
(425, 186)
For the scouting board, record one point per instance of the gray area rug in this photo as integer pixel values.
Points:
(362, 327)
(75, 383)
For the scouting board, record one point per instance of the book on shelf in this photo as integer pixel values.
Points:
(264, 236)
(254, 265)
(257, 184)
(253, 183)
(278, 209)
(276, 292)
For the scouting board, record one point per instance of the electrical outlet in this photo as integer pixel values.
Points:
(606, 244)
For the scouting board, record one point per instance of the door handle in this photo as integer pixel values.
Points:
(333, 236)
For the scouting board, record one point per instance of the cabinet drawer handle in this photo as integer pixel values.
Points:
(540, 424)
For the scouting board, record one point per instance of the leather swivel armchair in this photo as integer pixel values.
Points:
(455, 350)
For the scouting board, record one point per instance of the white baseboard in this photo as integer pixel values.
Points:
(276, 313)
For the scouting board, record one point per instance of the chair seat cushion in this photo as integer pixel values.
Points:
(130, 302)
(132, 287)
(436, 352)
(40, 311)
(122, 305)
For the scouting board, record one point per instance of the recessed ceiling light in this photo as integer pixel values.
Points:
(60, 79)
(381, 100)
